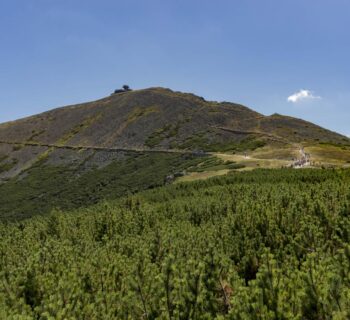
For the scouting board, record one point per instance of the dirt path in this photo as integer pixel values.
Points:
(252, 162)
(116, 149)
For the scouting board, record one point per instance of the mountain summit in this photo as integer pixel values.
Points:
(159, 118)
(133, 140)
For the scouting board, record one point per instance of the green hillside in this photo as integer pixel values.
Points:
(263, 244)
(103, 213)
(46, 186)
(148, 120)
(78, 155)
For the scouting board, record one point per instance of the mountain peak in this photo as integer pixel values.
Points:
(152, 125)
(159, 117)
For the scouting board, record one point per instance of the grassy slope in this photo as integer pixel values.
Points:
(328, 154)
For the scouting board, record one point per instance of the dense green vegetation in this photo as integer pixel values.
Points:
(44, 187)
(266, 244)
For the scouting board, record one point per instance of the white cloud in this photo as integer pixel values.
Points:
(301, 96)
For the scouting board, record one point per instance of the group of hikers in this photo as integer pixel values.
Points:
(303, 161)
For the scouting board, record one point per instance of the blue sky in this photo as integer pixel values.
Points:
(255, 52)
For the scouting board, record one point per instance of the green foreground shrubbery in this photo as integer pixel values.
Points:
(267, 244)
